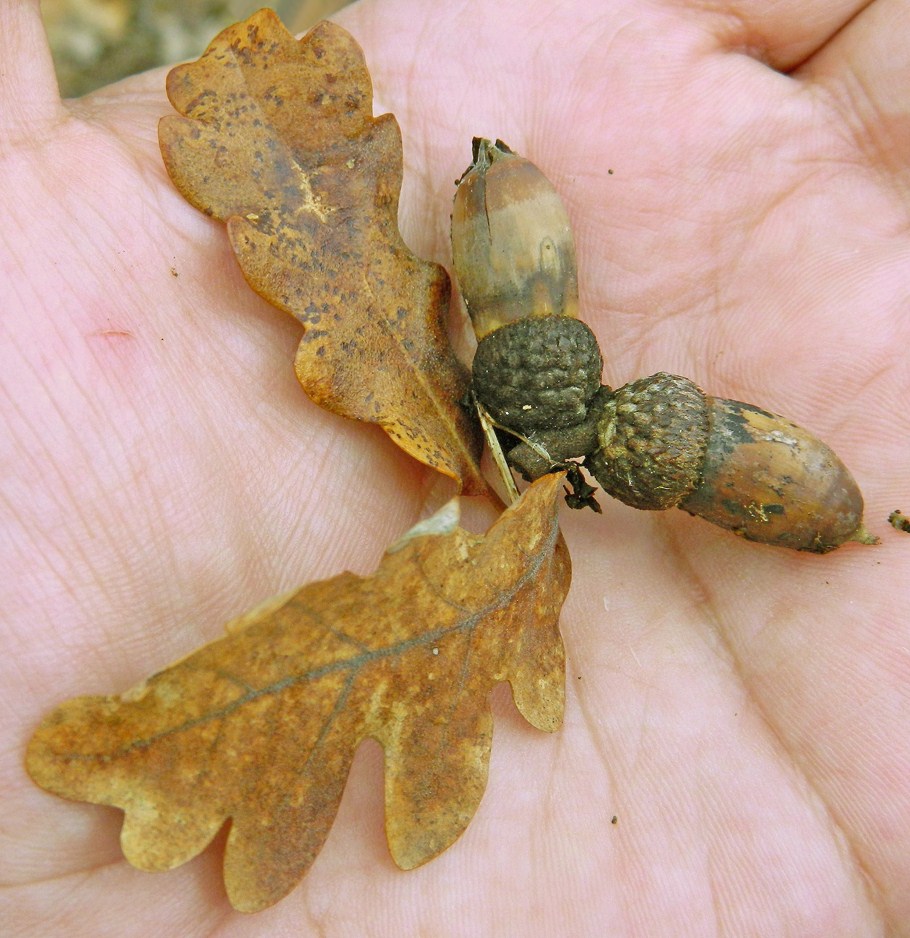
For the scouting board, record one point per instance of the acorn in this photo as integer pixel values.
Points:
(663, 443)
(656, 443)
(537, 365)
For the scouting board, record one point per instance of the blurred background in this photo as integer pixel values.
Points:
(96, 42)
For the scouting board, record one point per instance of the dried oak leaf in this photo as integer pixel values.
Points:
(279, 141)
(261, 726)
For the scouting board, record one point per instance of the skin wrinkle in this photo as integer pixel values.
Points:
(589, 721)
(116, 588)
(745, 36)
(735, 34)
(65, 488)
(756, 215)
(851, 96)
(866, 884)
(79, 876)
(869, 133)
(723, 234)
(59, 563)
(70, 885)
(717, 905)
(720, 851)
(40, 132)
(68, 908)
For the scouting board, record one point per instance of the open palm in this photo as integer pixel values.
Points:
(736, 757)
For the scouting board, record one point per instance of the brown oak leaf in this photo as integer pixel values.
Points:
(279, 141)
(261, 726)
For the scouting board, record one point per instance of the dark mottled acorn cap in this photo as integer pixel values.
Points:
(653, 436)
(538, 373)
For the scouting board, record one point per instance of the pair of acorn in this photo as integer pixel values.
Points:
(656, 443)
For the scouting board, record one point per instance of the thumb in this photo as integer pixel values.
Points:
(29, 96)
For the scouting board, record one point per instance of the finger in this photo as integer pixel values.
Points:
(782, 33)
(867, 69)
(28, 85)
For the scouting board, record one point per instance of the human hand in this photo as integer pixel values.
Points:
(740, 710)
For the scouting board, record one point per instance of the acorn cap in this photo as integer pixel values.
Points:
(538, 374)
(653, 436)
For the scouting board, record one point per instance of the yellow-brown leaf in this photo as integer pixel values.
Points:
(261, 726)
(279, 141)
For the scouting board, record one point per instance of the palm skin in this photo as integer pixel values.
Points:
(741, 711)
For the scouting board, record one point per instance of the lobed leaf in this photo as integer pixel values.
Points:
(261, 726)
(279, 141)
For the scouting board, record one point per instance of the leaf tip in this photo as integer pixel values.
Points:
(439, 524)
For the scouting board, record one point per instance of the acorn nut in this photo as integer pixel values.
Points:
(512, 245)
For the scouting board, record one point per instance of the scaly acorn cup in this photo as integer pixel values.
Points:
(538, 373)
(656, 443)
